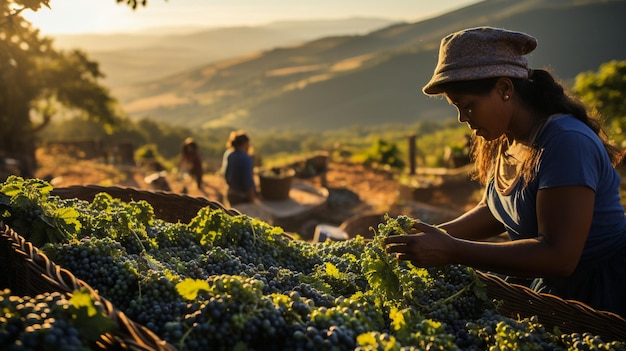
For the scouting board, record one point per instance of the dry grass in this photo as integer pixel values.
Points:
(61, 169)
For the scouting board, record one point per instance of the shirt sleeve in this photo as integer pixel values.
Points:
(570, 158)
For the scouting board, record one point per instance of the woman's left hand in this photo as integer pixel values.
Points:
(428, 247)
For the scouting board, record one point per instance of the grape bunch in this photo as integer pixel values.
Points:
(588, 342)
(156, 301)
(24, 205)
(233, 310)
(102, 263)
(49, 321)
(276, 280)
(253, 241)
(225, 282)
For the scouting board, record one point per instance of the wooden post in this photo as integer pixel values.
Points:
(412, 154)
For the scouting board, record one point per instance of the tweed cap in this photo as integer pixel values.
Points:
(482, 52)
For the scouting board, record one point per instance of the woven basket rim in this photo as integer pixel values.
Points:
(129, 335)
(569, 316)
(168, 206)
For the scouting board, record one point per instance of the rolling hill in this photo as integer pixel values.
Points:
(370, 79)
(129, 58)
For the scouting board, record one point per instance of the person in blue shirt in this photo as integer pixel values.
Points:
(549, 175)
(239, 170)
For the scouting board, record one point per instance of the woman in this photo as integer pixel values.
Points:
(239, 170)
(191, 162)
(549, 173)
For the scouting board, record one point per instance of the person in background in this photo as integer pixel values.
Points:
(229, 149)
(191, 162)
(549, 175)
(239, 170)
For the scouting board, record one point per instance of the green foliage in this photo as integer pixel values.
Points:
(163, 139)
(38, 82)
(89, 318)
(146, 152)
(383, 272)
(25, 205)
(379, 270)
(71, 80)
(382, 153)
(124, 222)
(605, 91)
(275, 148)
(150, 158)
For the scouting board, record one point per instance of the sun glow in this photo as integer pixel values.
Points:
(79, 16)
(108, 16)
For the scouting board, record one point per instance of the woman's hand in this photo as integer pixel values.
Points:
(429, 246)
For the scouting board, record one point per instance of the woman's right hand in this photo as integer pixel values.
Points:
(429, 246)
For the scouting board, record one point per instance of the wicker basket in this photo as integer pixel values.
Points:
(28, 272)
(170, 207)
(552, 311)
(276, 184)
(362, 224)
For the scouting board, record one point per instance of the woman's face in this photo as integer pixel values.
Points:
(486, 114)
(245, 146)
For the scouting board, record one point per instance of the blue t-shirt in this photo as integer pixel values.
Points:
(572, 154)
(239, 171)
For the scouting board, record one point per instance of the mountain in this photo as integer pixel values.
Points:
(130, 58)
(374, 78)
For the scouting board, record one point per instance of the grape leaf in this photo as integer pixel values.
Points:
(332, 271)
(89, 322)
(82, 299)
(380, 274)
(366, 339)
(190, 288)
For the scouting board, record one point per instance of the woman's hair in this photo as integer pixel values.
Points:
(542, 93)
(189, 145)
(237, 138)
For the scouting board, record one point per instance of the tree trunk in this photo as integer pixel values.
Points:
(16, 134)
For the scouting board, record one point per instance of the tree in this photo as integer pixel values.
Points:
(37, 82)
(385, 153)
(605, 91)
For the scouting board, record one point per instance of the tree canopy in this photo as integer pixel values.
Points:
(37, 82)
(605, 91)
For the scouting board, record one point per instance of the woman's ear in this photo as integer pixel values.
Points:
(505, 88)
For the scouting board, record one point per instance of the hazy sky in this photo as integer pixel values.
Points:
(101, 16)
